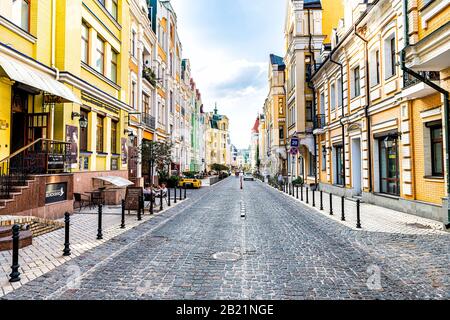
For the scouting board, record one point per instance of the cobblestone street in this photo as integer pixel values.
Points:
(282, 249)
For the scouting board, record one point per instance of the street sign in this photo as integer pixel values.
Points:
(294, 142)
(293, 150)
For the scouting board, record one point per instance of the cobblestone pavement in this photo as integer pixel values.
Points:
(282, 249)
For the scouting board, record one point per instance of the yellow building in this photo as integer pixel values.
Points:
(63, 64)
(218, 147)
(379, 135)
(308, 28)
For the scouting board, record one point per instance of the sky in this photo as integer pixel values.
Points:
(228, 43)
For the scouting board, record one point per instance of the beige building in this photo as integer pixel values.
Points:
(218, 146)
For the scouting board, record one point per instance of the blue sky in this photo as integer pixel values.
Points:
(228, 43)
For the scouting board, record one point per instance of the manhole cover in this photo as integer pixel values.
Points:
(418, 225)
(226, 256)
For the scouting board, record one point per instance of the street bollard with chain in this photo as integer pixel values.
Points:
(99, 230)
(342, 209)
(321, 200)
(358, 218)
(66, 251)
(122, 224)
(331, 204)
(15, 274)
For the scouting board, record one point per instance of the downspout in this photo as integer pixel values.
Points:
(366, 108)
(441, 90)
(311, 86)
(53, 64)
(342, 106)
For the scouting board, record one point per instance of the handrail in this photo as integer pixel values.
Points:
(28, 146)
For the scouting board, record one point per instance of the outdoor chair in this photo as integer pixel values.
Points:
(83, 203)
(96, 199)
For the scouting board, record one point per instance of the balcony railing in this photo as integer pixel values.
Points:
(149, 75)
(319, 121)
(149, 121)
(409, 80)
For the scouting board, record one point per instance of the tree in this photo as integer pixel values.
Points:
(159, 153)
(219, 167)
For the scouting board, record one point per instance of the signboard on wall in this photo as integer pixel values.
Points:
(124, 152)
(72, 138)
(55, 192)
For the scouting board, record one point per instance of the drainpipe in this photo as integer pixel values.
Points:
(342, 106)
(53, 64)
(441, 90)
(311, 86)
(366, 107)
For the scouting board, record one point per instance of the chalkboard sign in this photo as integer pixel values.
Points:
(132, 197)
(55, 192)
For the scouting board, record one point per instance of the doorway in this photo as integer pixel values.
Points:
(356, 165)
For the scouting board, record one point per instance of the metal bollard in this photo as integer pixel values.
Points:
(296, 191)
(161, 200)
(321, 200)
(122, 224)
(301, 192)
(181, 198)
(139, 213)
(342, 209)
(99, 230)
(66, 251)
(151, 201)
(307, 196)
(185, 192)
(168, 197)
(331, 204)
(358, 218)
(175, 194)
(313, 198)
(15, 274)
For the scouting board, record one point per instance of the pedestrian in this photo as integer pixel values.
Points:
(280, 179)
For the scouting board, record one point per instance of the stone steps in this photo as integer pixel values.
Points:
(25, 239)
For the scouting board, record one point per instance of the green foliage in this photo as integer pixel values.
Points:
(219, 167)
(297, 181)
(160, 153)
(150, 75)
(190, 174)
(173, 181)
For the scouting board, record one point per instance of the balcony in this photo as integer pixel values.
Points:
(414, 88)
(149, 121)
(149, 75)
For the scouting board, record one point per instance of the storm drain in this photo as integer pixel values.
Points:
(226, 256)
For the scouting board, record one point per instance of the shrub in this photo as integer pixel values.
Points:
(298, 181)
(173, 181)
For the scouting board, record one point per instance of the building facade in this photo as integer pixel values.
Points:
(218, 144)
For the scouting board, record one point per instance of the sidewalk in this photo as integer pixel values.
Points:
(372, 218)
(46, 251)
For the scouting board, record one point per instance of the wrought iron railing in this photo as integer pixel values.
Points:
(149, 121)
(42, 156)
(319, 121)
(409, 80)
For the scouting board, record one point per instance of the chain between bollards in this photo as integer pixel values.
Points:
(122, 224)
(358, 218)
(331, 204)
(15, 274)
(342, 209)
(99, 230)
(66, 251)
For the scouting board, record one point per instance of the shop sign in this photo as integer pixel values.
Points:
(55, 192)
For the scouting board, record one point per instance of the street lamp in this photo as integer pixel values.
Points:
(83, 121)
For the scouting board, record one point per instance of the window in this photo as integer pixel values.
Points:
(356, 83)
(84, 134)
(390, 56)
(114, 9)
(114, 137)
(114, 66)
(307, 71)
(333, 97)
(312, 165)
(20, 13)
(133, 43)
(171, 102)
(133, 95)
(437, 154)
(84, 43)
(339, 90)
(100, 63)
(309, 111)
(339, 165)
(146, 103)
(281, 133)
(322, 103)
(324, 158)
(99, 133)
(389, 173)
(377, 64)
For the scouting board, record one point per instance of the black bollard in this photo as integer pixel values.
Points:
(313, 198)
(139, 212)
(358, 218)
(161, 200)
(301, 192)
(185, 192)
(66, 251)
(122, 224)
(181, 196)
(321, 200)
(342, 209)
(307, 196)
(151, 200)
(296, 191)
(331, 204)
(15, 274)
(99, 230)
(168, 197)
(293, 190)
(175, 194)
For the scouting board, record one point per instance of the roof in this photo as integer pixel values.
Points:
(312, 4)
(276, 60)
(255, 128)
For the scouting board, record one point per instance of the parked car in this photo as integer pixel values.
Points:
(190, 183)
(248, 176)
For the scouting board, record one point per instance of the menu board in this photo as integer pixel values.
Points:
(132, 198)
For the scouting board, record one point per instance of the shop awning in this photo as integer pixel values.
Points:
(116, 181)
(22, 73)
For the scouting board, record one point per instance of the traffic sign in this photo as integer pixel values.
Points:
(294, 142)
(293, 150)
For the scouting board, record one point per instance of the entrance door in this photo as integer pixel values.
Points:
(18, 131)
(356, 165)
(389, 175)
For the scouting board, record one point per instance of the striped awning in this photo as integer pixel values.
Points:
(20, 72)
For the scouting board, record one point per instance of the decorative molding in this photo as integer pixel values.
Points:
(429, 12)
(16, 29)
